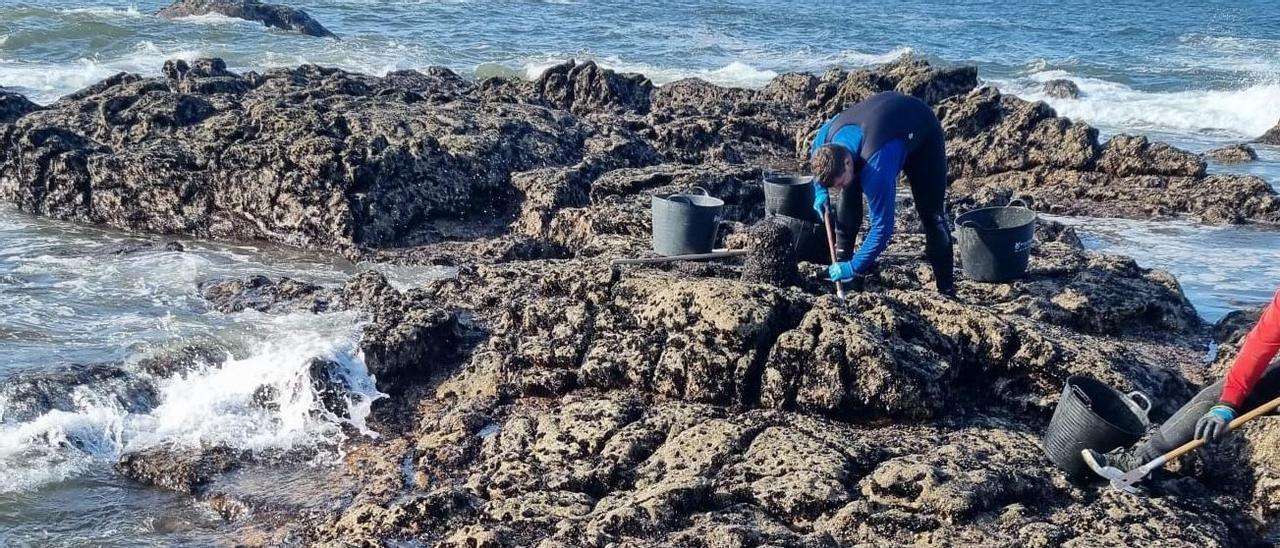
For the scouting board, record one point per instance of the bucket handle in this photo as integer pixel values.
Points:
(1144, 402)
(970, 223)
(1017, 202)
(1083, 397)
(702, 190)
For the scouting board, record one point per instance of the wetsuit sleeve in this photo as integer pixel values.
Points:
(880, 185)
(1260, 347)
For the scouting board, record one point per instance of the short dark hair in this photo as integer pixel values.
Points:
(827, 163)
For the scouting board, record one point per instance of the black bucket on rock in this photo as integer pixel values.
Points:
(1092, 415)
(685, 223)
(809, 239)
(790, 195)
(995, 242)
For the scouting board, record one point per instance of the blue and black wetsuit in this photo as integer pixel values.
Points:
(888, 133)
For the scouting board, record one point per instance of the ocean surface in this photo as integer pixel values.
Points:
(1198, 74)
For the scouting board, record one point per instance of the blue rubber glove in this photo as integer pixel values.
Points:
(841, 272)
(1213, 425)
(820, 198)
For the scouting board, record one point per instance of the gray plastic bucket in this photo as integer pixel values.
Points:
(995, 242)
(790, 195)
(1092, 415)
(685, 223)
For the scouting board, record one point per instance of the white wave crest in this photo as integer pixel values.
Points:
(45, 82)
(210, 406)
(734, 73)
(1246, 112)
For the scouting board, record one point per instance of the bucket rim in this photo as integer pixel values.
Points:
(1129, 403)
(691, 200)
(788, 180)
(961, 218)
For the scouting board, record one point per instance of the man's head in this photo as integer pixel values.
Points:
(832, 166)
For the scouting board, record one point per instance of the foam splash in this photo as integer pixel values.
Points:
(45, 83)
(212, 405)
(1242, 113)
(734, 73)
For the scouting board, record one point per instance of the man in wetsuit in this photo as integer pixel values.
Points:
(1250, 383)
(860, 152)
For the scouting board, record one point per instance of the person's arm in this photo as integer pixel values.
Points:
(880, 184)
(1260, 347)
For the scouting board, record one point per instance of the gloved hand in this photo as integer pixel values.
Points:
(841, 272)
(820, 198)
(1213, 425)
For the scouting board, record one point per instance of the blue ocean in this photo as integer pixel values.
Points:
(1198, 74)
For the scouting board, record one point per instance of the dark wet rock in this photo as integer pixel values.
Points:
(1232, 154)
(1126, 155)
(585, 87)
(173, 362)
(989, 133)
(330, 384)
(14, 106)
(68, 388)
(332, 169)
(175, 246)
(406, 340)
(184, 470)
(1216, 199)
(271, 15)
(265, 295)
(1061, 88)
(1271, 137)
(1231, 329)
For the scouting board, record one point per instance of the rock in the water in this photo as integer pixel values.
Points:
(1062, 88)
(1126, 155)
(184, 470)
(1232, 154)
(271, 15)
(265, 295)
(27, 395)
(1272, 136)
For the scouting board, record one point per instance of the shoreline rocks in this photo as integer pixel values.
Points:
(271, 15)
(545, 396)
(1233, 154)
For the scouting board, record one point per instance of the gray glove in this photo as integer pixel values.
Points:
(1213, 425)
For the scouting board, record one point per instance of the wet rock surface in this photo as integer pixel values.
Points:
(1232, 154)
(271, 15)
(1272, 136)
(1062, 89)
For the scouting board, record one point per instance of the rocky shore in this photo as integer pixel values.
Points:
(544, 398)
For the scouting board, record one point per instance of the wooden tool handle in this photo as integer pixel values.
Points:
(691, 257)
(1257, 412)
(831, 245)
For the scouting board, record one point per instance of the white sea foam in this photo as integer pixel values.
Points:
(107, 12)
(735, 73)
(44, 83)
(1245, 112)
(209, 406)
(215, 19)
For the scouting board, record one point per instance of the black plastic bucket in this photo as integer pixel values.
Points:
(809, 239)
(790, 195)
(1092, 415)
(995, 242)
(685, 223)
